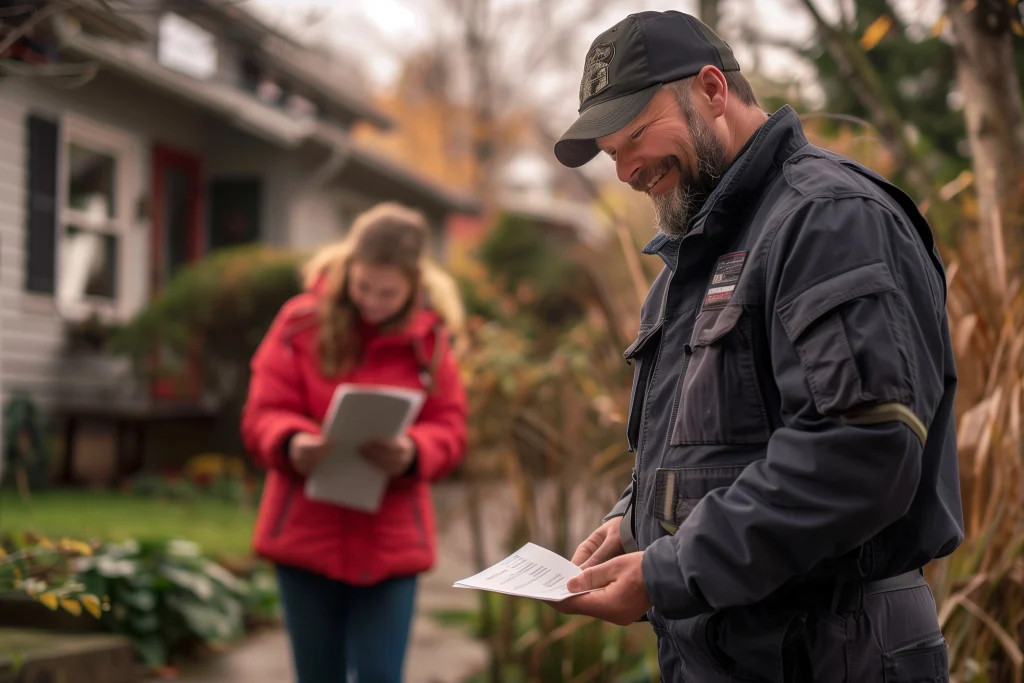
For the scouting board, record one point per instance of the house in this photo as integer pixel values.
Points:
(132, 143)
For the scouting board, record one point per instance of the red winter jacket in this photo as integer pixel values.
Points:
(288, 393)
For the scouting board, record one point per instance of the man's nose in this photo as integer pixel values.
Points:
(627, 167)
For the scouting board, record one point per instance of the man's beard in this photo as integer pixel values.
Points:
(674, 209)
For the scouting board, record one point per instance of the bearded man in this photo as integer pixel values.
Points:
(792, 405)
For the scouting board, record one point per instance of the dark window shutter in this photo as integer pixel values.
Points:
(41, 213)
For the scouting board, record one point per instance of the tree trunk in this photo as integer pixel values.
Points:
(987, 76)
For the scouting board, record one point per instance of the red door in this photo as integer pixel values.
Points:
(178, 239)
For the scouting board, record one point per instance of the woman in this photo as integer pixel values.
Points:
(347, 578)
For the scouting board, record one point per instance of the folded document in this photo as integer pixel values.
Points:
(530, 572)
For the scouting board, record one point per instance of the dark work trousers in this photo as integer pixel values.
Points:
(884, 632)
(346, 634)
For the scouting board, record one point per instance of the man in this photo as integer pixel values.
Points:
(792, 405)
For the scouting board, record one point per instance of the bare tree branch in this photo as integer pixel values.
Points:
(866, 82)
(15, 10)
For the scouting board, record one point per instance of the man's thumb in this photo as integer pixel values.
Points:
(590, 579)
(581, 582)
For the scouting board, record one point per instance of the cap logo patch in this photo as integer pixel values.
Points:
(595, 70)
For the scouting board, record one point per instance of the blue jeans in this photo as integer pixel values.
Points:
(346, 634)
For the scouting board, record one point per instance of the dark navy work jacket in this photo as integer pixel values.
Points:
(792, 404)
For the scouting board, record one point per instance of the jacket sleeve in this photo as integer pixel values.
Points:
(275, 407)
(440, 431)
(852, 304)
(620, 508)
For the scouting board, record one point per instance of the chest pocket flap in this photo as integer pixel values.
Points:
(719, 400)
(724, 323)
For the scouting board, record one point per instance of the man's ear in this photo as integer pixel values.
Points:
(711, 90)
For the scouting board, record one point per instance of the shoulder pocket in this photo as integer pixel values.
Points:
(851, 332)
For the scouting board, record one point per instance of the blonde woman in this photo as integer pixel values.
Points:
(374, 311)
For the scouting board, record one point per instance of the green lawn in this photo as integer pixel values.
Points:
(220, 528)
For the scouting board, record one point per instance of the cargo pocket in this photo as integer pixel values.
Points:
(678, 491)
(851, 333)
(719, 400)
(927, 663)
(642, 353)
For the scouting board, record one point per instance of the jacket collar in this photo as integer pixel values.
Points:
(754, 168)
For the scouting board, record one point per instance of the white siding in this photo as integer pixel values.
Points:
(315, 219)
(32, 334)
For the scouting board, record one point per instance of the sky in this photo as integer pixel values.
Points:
(382, 30)
(382, 33)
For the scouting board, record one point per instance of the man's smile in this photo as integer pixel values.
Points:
(663, 183)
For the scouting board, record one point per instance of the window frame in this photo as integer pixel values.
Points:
(122, 147)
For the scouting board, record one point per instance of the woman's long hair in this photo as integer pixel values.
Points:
(386, 235)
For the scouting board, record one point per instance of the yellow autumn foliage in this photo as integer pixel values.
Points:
(92, 604)
(875, 32)
(71, 606)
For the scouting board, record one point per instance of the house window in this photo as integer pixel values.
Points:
(234, 212)
(186, 47)
(93, 220)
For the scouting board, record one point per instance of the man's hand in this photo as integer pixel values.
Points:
(393, 456)
(603, 545)
(621, 597)
(306, 451)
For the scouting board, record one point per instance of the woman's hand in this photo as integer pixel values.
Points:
(306, 451)
(393, 456)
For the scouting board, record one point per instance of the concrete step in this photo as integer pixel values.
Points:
(27, 656)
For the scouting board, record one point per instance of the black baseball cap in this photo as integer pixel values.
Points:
(627, 64)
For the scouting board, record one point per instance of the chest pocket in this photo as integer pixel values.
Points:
(719, 400)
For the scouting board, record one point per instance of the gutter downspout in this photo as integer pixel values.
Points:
(339, 155)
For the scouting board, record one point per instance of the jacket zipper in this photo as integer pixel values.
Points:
(420, 527)
(641, 442)
(289, 496)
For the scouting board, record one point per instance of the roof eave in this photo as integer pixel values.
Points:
(233, 106)
(274, 44)
(111, 24)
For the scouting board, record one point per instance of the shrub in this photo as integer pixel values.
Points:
(534, 268)
(220, 308)
(169, 598)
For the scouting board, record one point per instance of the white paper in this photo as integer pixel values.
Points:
(359, 413)
(530, 572)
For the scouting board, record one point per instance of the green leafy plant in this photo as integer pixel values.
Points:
(26, 452)
(167, 597)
